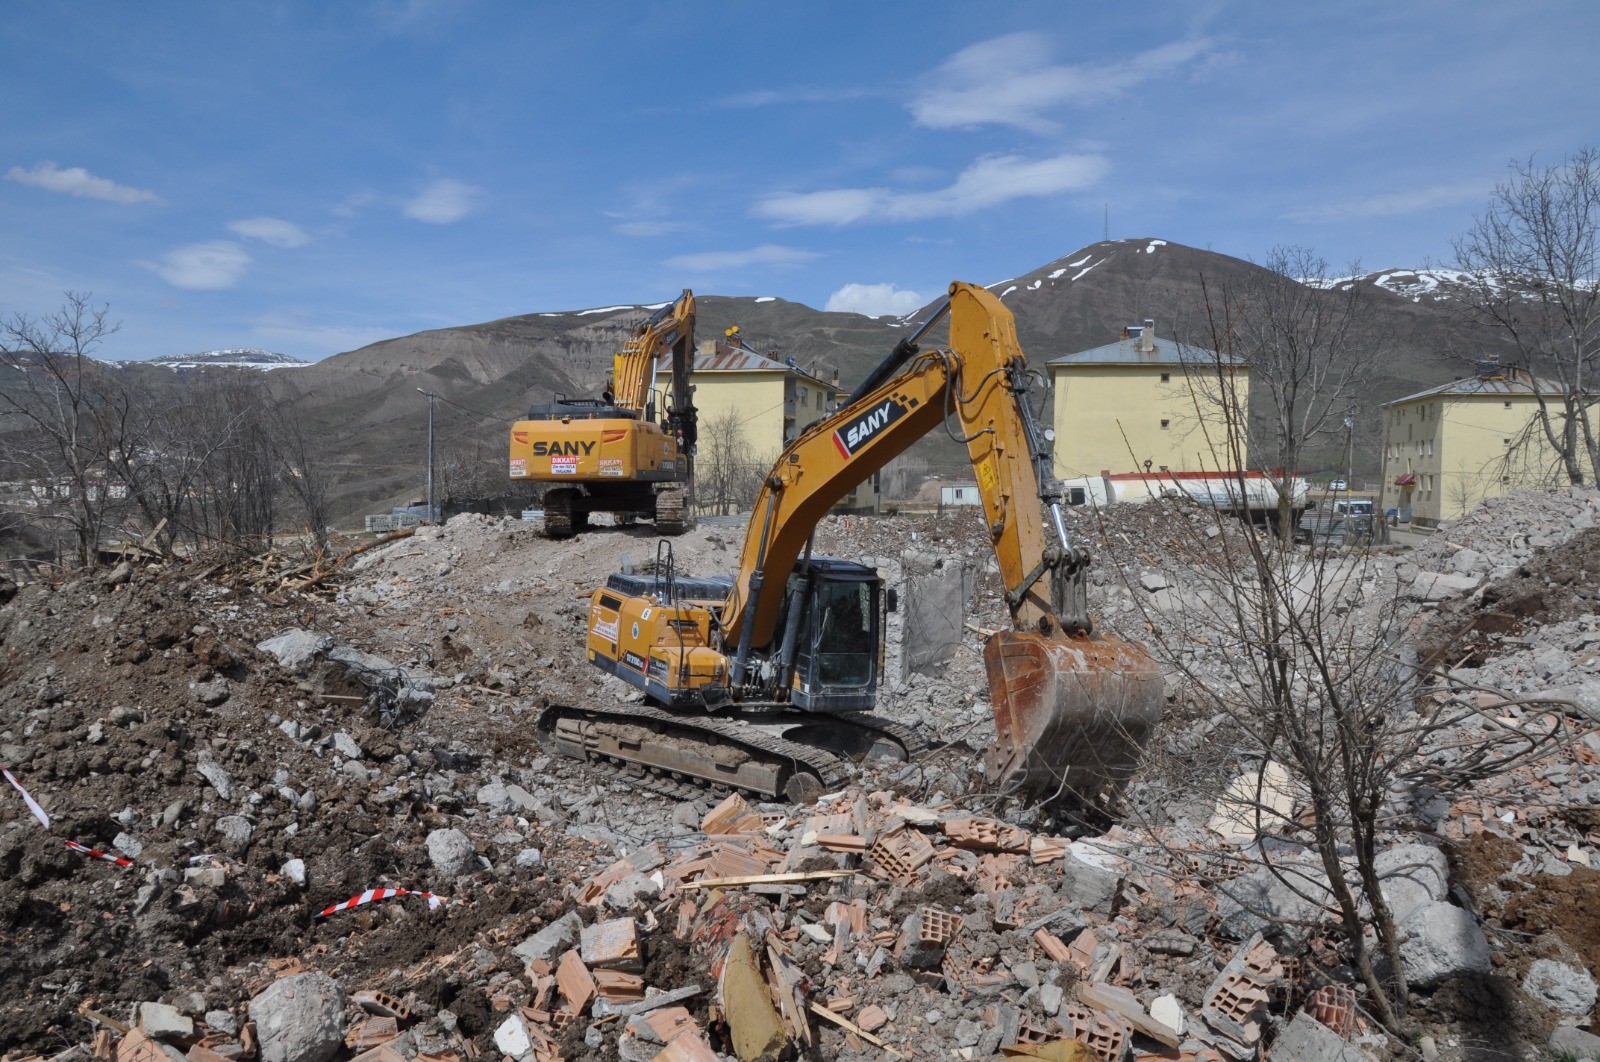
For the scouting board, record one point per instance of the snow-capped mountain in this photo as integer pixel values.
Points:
(232, 358)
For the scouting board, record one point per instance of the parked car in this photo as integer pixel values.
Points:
(1338, 484)
(1348, 520)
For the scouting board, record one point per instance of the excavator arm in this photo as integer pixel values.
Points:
(1071, 709)
(980, 385)
(634, 368)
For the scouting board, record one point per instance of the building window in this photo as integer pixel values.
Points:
(1506, 441)
(1504, 480)
(1165, 424)
(1166, 377)
(1508, 405)
(802, 392)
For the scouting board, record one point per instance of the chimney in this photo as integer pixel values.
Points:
(1488, 368)
(1147, 336)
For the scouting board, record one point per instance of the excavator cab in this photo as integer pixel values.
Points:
(837, 644)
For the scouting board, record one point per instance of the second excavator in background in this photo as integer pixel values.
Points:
(619, 453)
(764, 681)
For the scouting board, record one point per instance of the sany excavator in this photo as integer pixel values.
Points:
(764, 682)
(610, 454)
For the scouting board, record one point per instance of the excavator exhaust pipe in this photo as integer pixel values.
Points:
(1071, 714)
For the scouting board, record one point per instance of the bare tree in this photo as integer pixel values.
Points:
(61, 406)
(727, 475)
(1312, 352)
(300, 466)
(1291, 653)
(1532, 261)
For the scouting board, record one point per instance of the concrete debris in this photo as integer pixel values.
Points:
(159, 1021)
(1580, 1046)
(909, 913)
(1441, 941)
(452, 853)
(1308, 1040)
(552, 940)
(299, 1018)
(296, 649)
(1567, 990)
(1256, 802)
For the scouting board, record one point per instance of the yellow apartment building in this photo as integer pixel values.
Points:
(771, 401)
(1449, 447)
(767, 401)
(1145, 404)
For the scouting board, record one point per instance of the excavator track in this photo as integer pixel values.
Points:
(683, 755)
(562, 518)
(672, 517)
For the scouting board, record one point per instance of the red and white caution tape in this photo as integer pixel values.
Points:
(86, 850)
(434, 902)
(33, 805)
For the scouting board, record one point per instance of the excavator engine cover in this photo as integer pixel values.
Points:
(1071, 714)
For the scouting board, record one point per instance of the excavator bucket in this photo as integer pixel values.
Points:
(1071, 713)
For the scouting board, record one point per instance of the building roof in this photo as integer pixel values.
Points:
(1504, 382)
(734, 358)
(1136, 348)
(727, 358)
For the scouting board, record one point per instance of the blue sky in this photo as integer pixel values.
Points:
(309, 177)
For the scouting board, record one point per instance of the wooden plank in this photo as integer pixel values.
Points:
(845, 1023)
(764, 879)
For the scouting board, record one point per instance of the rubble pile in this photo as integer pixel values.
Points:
(339, 836)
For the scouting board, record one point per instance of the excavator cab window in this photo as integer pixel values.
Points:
(841, 635)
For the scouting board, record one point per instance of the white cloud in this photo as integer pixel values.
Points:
(652, 228)
(443, 201)
(275, 231)
(1392, 204)
(1009, 80)
(79, 182)
(987, 182)
(207, 266)
(768, 254)
(874, 300)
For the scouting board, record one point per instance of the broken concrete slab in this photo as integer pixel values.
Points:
(452, 853)
(1410, 876)
(1255, 802)
(1273, 901)
(1308, 1040)
(1440, 942)
(295, 649)
(160, 1021)
(299, 1018)
(1440, 586)
(1567, 1042)
(552, 940)
(1567, 990)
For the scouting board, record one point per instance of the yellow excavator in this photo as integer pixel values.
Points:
(764, 682)
(612, 454)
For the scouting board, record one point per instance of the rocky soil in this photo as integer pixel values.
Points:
(260, 758)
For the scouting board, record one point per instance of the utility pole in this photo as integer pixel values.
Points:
(433, 511)
(1349, 455)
